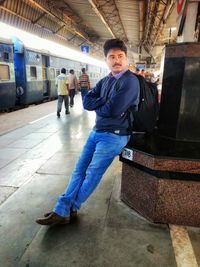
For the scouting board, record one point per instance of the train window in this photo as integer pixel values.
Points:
(4, 72)
(33, 73)
(6, 56)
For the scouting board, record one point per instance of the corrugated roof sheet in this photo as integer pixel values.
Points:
(85, 11)
(129, 14)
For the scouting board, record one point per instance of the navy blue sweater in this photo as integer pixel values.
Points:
(111, 98)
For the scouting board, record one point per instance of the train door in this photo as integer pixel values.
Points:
(45, 78)
(20, 71)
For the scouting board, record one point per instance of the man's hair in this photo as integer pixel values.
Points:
(83, 70)
(71, 71)
(63, 70)
(114, 43)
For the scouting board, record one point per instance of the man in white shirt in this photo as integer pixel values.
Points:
(62, 89)
(73, 86)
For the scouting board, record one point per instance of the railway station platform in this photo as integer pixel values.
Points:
(37, 154)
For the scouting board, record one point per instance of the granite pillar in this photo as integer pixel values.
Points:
(179, 116)
(161, 172)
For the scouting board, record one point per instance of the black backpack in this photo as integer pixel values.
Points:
(144, 120)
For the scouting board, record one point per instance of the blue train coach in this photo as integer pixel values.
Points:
(27, 76)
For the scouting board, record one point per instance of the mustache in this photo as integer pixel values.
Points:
(117, 65)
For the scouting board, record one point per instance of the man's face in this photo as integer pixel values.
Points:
(116, 60)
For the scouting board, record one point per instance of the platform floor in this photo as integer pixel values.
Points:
(37, 154)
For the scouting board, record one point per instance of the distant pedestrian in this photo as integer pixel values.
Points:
(62, 89)
(137, 71)
(142, 73)
(73, 86)
(84, 83)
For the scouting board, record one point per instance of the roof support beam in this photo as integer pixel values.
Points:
(101, 17)
(70, 39)
(157, 13)
(109, 14)
(167, 12)
(60, 28)
(141, 20)
(41, 16)
(71, 29)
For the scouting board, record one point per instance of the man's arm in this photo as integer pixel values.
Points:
(121, 100)
(93, 100)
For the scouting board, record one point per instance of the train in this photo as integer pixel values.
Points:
(27, 76)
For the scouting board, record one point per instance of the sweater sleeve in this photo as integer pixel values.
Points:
(127, 95)
(93, 100)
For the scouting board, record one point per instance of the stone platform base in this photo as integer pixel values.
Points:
(159, 199)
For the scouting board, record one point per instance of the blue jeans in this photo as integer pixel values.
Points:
(98, 153)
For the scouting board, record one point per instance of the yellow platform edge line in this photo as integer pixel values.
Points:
(183, 250)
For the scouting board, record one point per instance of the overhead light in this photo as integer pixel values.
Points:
(35, 42)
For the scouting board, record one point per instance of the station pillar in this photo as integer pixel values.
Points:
(161, 172)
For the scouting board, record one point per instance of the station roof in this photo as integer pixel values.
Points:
(145, 26)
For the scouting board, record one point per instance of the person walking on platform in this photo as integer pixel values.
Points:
(84, 83)
(142, 73)
(62, 88)
(137, 71)
(73, 85)
(110, 99)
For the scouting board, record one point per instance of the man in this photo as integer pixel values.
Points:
(84, 83)
(110, 98)
(62, 88)
(142, 73)
(137, 71)
(73, 85)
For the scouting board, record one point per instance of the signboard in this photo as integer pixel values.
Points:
(140, 65)
(127, 154)
(85, 49)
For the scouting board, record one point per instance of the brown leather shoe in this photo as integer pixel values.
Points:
(73, 214)
(53, 219)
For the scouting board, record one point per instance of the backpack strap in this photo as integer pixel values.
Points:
(130, 118)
